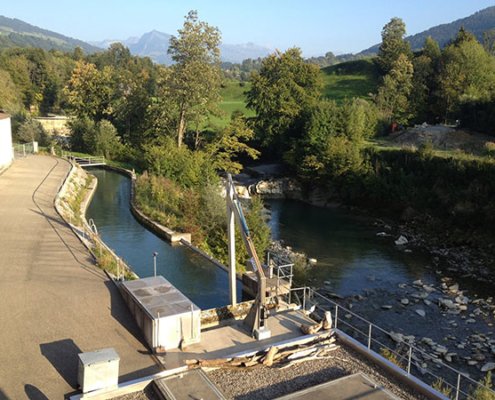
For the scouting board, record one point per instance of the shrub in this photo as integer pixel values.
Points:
(483, 392)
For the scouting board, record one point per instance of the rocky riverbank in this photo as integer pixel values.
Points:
(455, 252)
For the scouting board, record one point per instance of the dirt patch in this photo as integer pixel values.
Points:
(442, 137)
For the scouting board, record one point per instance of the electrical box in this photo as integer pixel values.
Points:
(98, 370)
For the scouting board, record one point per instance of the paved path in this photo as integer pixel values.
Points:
(53, 302)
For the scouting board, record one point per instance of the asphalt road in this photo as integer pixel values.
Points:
(54, 303)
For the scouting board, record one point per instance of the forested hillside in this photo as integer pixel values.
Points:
(478, 24)
(17, 33)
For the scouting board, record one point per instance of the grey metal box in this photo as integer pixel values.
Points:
(98, 370)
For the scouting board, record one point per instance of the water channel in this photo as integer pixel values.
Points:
(204, 283)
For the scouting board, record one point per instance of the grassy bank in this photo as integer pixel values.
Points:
(199, 211)
(350, 79)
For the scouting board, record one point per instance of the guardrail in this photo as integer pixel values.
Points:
(22, 150)
(85, 161)
(405, 355)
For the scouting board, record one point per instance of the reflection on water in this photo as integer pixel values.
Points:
(205, 284)
(349, 253)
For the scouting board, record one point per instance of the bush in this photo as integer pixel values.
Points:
(179, 164)
(201, 212)
(32, 131)
(484, 392)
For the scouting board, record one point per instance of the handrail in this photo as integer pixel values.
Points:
(406, 361)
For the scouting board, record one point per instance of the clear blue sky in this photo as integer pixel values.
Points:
(316, 26)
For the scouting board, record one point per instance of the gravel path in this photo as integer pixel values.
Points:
(261, 382)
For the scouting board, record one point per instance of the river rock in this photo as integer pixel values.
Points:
(396, 337)
(383, 234)
(447, 303)
(488, 367)
(401, 241)
(440, 349)
(470, 321)
(404, 301)
(454, 288)
(418, 283)
(386, 307)
(276, 187)
(427, 302)
(420, 312)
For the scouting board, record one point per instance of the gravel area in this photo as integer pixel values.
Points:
(262, 382)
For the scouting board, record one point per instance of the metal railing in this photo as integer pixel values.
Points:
(22, 150)
(410, 358)
(84, 161)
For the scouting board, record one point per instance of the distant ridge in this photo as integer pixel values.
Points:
(477, 23)
(154, 44)
(17, 33)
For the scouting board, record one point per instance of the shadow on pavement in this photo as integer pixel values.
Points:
(33, 393)
(120, 312)
(62, 354)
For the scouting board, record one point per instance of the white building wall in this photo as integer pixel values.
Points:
(6, 152)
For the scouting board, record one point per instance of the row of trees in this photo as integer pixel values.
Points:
(433, 85)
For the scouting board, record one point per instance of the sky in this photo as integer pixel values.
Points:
(316, 26)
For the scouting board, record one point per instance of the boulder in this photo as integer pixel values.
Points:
(420, 312)
(488, 367)
(401, 241)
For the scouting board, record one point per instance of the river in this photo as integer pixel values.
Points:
(350, 257)
(201, 281)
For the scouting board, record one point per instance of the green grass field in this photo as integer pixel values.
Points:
(341, 81)
(233, 99)
(350, 79)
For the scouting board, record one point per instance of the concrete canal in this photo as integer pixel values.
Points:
(204, 283)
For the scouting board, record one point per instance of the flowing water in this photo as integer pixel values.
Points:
(201, 281)
(350, 257)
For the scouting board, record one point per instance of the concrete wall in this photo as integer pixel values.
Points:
(54, 125)
(6, 152)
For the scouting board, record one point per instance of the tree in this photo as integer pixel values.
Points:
(89, 91)
(284, 87)
(424, 93)
(32, 131)
(467, 74)
(230, 143)
(489, 41)
(393, 45)
(10, 96)
(393, 94)
(194, 81)
(104, 140)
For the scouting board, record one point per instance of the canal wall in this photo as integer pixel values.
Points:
(71, 203)
(161, 231)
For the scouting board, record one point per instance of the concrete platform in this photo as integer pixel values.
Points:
(357, 386)
(227, 341)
